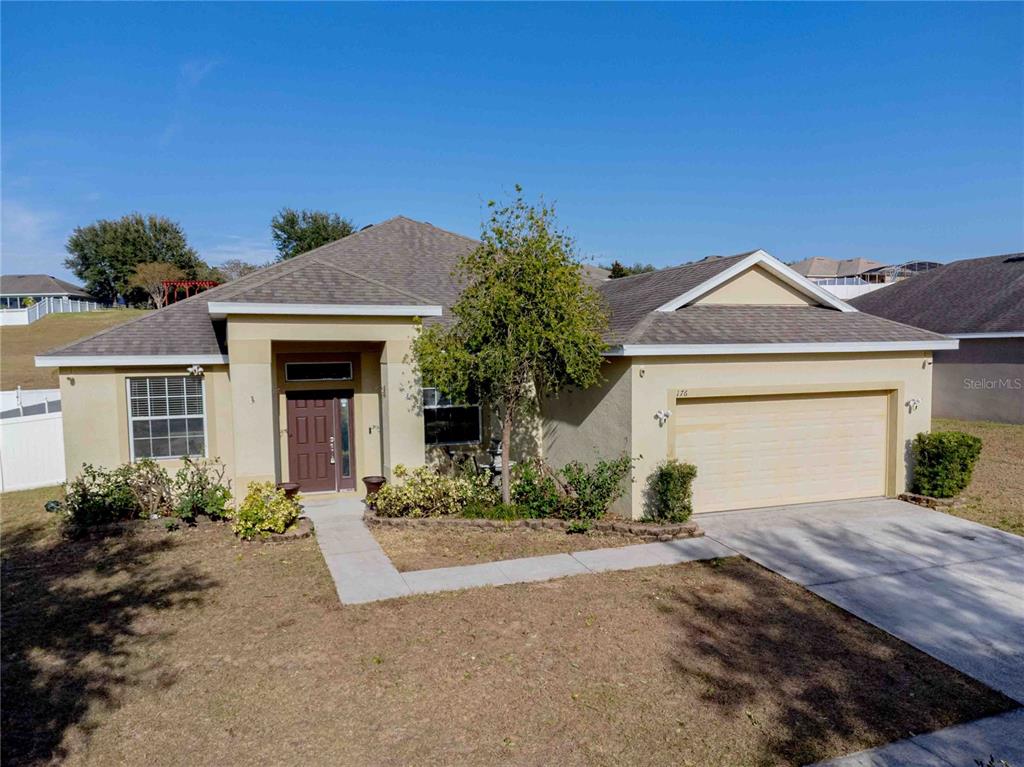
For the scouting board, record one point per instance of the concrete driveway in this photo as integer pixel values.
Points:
(949, 587)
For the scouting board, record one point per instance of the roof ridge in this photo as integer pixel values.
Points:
(358, 276)
(687, 265)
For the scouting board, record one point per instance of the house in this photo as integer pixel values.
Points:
(981, 302)
(301, 372)
(856, 276)
(16, 288)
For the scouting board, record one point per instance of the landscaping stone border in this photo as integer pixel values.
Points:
(645, 531)
(930, 502)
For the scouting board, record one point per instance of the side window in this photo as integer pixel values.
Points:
(448, 424)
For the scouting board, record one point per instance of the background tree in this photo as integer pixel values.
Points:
(526, 324)
(618, 269)
(104, 254)
(234, 268)
(150, 278)
(297, 231)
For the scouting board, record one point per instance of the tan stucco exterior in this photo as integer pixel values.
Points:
(245, 399)
(633, 411)
(623, 413)
(94, 402)
(756, 286)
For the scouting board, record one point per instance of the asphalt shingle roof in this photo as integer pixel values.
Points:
(977, 295)
(38, 284)
(402, 261)
(630, 299)
(724, 324)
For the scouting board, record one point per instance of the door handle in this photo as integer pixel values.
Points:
(332, 449)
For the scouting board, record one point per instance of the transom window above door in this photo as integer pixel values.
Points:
(318, 371)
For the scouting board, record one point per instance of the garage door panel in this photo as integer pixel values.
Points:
(768, 451)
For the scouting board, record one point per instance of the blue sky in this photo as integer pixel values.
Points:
(663, 132)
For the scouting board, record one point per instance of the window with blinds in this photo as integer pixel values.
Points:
(166, 417)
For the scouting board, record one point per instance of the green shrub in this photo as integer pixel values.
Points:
(504, 511)
(265, 510)
(670, 491)
(200, 488)
(591, 491)
(534, 491)
(424, 493)
(99, 496)
(943, 462)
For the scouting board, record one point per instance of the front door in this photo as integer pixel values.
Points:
(320, 454)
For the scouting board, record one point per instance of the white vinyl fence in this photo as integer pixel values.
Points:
(15, 403)
(31, 451)
(49, 305)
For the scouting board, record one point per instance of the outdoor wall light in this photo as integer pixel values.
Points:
(913, 404)
(662, 416)
(195, 370)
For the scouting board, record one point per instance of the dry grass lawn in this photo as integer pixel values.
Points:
(20, 344)
(194, 648)
(995, 496)
(423, 548)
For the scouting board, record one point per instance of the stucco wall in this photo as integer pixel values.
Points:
(983, 380)
(388, 408)
(656, 383)
(94, 403)
(756, 286)
(591, 425)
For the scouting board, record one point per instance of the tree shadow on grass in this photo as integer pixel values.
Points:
(808, 676)
(74, 627)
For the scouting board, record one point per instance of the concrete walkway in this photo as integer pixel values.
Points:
(362, 571)
(996, 736)
(949, 587)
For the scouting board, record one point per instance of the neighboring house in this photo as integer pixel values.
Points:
(856, 276)
(981, 302)
(15, 288)
(302, 372)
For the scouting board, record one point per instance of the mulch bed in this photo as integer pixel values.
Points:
(643, 531)
(303, 528)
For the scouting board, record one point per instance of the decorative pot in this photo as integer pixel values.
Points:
(373, 483)
(291, 489)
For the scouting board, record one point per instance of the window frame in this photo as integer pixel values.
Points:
(287, 364)
(479, 419)
(131, 419)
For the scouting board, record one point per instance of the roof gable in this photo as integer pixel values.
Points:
(756, 287)
(776, 268)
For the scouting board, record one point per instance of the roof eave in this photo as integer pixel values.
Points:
(221, 309)
(817, 347)
(127, 360)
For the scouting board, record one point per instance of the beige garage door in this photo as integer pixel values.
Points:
(767, 451)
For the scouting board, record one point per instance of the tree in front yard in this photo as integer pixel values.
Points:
(298, 231)
(525, 325)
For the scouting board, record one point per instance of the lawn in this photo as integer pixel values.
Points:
(20, 344)
(192, 647)
(421, 548)
(995, 496)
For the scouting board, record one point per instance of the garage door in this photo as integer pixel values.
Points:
(768, 451)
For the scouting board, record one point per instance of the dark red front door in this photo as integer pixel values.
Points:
(320, 454)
